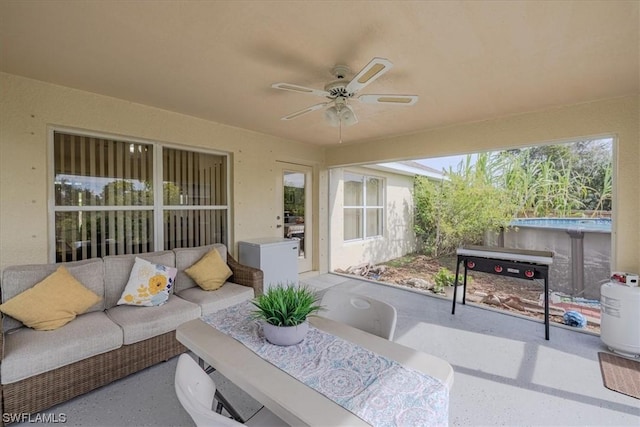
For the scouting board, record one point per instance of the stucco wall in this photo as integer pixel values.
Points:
(398, 238)
(618, 117)
(28, 107)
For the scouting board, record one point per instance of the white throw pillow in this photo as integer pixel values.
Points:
(149, 284)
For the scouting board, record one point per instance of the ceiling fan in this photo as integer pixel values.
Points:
(339, 91)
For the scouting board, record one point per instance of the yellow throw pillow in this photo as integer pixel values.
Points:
(52, 303)
(210, 272)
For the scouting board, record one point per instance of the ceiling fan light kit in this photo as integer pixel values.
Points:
(338, 113)
(340, 116)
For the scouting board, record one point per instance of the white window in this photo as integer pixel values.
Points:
(112, 196)
(363, 206)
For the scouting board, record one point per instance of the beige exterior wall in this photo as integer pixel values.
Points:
(618, 117)
(398, 238)
(29, 107)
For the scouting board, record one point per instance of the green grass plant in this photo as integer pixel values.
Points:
(286, 305)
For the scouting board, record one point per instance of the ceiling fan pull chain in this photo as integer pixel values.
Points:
(340, 142)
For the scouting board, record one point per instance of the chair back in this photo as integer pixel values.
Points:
(368, 314)
(195, 391)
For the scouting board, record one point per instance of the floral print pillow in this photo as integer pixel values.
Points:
(149, 284)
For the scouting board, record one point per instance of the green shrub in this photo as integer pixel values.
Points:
(444, 278)
(460, 209)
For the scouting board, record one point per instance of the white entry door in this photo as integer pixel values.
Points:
(294, 206)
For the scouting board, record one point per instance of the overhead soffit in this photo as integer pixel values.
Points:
(467, 61)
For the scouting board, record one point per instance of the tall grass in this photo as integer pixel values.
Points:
(485, 195)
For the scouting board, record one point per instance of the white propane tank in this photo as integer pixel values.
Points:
(620, 318)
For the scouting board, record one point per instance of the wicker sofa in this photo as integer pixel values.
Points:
(40, 369)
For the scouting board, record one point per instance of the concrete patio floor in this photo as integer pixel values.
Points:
(505, 371)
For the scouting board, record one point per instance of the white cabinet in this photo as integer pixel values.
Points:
(276, 257)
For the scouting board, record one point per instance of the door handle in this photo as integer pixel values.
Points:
(279, 226)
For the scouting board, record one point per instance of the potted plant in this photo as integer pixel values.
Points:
(444, 281)
(284, 311)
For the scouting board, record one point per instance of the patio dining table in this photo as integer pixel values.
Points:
(295, 402)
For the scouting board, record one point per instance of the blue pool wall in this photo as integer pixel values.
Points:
(553, 234)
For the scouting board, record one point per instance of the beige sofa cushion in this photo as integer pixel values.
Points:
(117, 269)
(211, 301)
(141, 323)
(28, 352)
(186, 257)
(19, 278)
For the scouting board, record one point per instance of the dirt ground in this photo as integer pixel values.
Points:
(505, 293)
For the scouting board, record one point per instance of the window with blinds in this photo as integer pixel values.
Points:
(363, 206)
(113, 197)
(194, 198)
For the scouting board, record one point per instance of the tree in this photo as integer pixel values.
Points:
(593, 161)
(124, 193)
(425, 224)
(460, 209)
(557, 180)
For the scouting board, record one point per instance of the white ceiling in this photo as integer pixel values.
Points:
(216, 60)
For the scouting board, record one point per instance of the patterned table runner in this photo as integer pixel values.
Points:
(379, 390)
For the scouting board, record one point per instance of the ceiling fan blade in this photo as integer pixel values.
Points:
(389, 99)
(373, 70)
(304, 111)
(299, 89)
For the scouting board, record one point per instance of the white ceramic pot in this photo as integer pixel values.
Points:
(448, 290)
(285, 335)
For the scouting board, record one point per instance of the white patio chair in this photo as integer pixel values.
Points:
(196, 391)
(367, 314)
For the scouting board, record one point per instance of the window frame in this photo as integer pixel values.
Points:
(364, 208)
(158, 208)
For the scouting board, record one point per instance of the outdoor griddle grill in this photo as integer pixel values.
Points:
(517, 263)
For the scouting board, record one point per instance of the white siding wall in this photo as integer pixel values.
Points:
(398, 239)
